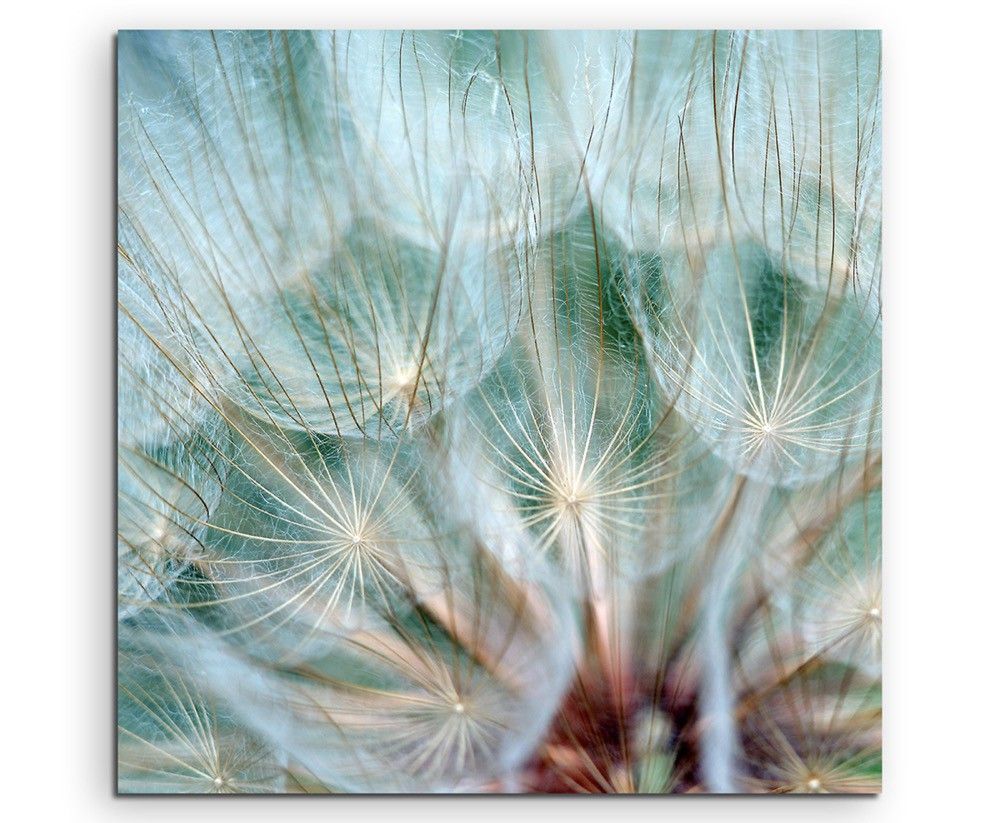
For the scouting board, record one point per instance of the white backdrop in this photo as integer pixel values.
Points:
(941, 376)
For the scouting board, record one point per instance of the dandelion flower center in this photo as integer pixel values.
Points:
(403, 380)
(570, 498)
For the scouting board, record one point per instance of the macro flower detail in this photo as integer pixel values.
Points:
(499, 412)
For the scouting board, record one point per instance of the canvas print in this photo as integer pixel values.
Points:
(499, 412)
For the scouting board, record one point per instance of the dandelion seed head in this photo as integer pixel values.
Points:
(334, 542)
(783, 384)
(834, 755)
(175, 738)
(500, 411)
